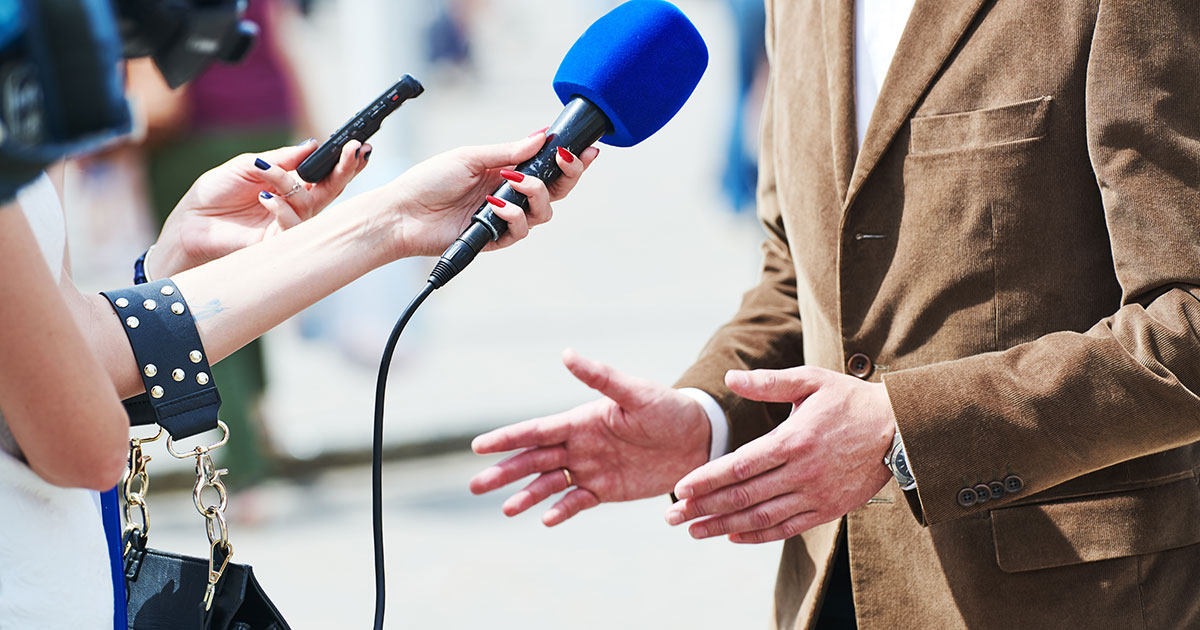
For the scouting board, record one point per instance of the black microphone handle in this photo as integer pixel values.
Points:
(578, 127)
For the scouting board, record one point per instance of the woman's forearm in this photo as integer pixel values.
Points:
(237, 298)
(240, 296)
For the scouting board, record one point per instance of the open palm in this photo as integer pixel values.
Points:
(634, 443)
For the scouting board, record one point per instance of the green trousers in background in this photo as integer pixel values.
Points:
(172, 168)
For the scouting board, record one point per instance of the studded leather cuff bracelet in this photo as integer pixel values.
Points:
(181, 395)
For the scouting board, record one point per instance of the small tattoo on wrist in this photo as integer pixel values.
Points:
(205, 311)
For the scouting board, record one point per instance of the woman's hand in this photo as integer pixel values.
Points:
(246, 200)
(433, 201)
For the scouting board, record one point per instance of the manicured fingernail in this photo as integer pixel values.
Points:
(496, 201)
(265, 195)
(542, 130)
(356, 152)
(512, 176)
(261, 164)
(305, 142)
(565, 155)
(736, 377)
(367, 155)
(683, 493)
(674, 517)
(698, 531)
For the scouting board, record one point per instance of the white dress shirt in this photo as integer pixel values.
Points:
(878, 25)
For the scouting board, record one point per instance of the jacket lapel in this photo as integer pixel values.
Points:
(838, 38)
(933, 31)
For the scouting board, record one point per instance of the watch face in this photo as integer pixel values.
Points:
(902, 464)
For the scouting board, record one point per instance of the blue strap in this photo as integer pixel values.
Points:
(110, 511)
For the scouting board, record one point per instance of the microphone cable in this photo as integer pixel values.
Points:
(377, 451)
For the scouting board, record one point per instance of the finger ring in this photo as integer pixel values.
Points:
(570, 480)
(295, 189)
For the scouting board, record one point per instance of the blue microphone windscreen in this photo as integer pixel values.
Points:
(638, 63)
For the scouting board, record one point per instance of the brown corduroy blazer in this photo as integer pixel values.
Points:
(1015, 253)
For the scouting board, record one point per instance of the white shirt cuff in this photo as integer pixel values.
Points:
(716, 418)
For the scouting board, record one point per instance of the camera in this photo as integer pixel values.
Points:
(61, 77)
(184, 37)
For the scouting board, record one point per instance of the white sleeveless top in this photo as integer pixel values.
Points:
(54, 565)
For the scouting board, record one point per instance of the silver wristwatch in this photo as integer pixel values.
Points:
(897, 462)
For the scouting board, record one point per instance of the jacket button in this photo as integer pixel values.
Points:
(997, 488)
(1013, 484)
(967, 497)
(859, 365)
(984, 492)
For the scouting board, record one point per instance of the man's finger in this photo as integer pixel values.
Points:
(747, 462)
(793, 526)
(791, 385)
(625, 390)
(573, 503)
(731, 499)
(519, 466)
(537, 432)
(537, 491)
(758, 517)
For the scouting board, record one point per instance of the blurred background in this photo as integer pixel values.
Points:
(646, 258)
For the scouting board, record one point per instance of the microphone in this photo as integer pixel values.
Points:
(623, 79)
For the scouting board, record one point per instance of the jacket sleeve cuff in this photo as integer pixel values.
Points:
(947, 450)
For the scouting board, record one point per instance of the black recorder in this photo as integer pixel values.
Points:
(364, 124)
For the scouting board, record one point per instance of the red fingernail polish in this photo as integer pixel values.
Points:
(542, 130)
(496, 201)
(512, 176)
(565, 155)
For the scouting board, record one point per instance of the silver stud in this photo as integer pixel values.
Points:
(132, 322)
(122, 302)
(149, 305)
(167, 290)
(156, 392)
(150, 370)
(177, 308)
(202, 378)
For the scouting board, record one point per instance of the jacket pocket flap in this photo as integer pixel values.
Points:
(979, 128)
(1097, 527)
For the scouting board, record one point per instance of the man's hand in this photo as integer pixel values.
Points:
(635, 443)
(823, 461)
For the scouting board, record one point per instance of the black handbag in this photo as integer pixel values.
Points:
(165, 594)
(167, 591)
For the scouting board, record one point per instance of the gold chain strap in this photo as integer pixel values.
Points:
(137, 483)
(134, 488)
(209, 476)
